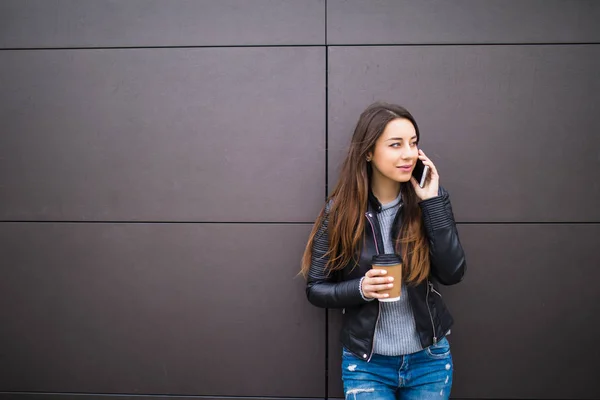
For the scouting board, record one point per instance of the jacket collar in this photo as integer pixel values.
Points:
(374, 203)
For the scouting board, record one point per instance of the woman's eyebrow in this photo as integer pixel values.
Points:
(399, 138)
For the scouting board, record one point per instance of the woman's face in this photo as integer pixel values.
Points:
(395, 152)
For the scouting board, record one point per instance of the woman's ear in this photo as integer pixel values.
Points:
(369, 156)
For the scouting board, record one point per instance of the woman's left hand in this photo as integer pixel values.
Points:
(432, 182)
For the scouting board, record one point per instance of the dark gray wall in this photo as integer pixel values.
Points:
(161, 163)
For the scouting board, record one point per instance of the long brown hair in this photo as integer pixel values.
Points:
(348, 203)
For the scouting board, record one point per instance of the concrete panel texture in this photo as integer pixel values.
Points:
(162, 161)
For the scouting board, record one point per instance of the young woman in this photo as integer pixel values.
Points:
(390, 349)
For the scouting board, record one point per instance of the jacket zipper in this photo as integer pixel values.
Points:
(376, 322)
(368, 215)
(429, 310)
(433, 289)
(373, 230)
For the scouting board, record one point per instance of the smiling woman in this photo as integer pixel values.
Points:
(391, 349)
(393, 158)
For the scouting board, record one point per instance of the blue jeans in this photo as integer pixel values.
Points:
(424, 375)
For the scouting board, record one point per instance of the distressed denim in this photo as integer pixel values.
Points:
(424, 375)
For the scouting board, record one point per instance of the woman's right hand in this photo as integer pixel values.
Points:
(375, 281)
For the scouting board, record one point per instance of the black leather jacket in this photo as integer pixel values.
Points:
(341, 288)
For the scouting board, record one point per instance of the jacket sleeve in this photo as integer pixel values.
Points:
(321, 289)
(446, 254)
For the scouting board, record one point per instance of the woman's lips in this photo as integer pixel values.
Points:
(406, 168)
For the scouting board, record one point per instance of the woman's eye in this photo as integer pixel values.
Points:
(395, 145)
(413, 144)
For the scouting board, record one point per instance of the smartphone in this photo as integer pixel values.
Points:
(420, 172)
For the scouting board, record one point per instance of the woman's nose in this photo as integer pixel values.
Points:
(406, 153)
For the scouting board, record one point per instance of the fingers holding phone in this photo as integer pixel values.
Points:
(421, 172)
(425, 178)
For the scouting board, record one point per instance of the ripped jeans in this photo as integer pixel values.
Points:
(424, 375)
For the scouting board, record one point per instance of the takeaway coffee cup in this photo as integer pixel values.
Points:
(392, 263)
